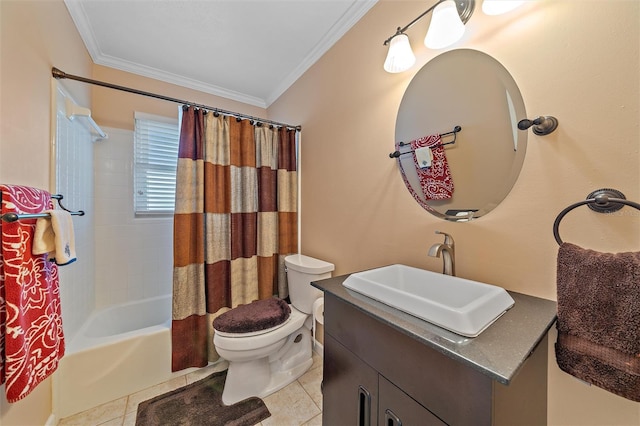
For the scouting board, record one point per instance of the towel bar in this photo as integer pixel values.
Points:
(12, 217)
(603, 200)
(454, 132)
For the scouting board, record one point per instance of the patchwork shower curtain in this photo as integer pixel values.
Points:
(235, 221)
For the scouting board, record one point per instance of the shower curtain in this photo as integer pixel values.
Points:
(235, 220)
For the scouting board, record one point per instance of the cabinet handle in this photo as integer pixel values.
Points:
(390, 419)
(364, 407)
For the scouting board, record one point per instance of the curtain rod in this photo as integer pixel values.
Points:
(58, 74)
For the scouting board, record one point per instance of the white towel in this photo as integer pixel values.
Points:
(54, 235)
(424, 157)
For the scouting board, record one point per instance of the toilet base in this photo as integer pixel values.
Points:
(264, 376)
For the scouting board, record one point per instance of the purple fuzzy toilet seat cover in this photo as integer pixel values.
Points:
(256, 316)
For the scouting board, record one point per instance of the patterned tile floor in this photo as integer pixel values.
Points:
(298, 404)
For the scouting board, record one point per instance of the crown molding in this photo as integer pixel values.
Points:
(179, 80)
(356, 11)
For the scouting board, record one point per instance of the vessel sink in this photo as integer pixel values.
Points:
(459, 305)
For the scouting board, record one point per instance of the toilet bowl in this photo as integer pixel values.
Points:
(266, 360)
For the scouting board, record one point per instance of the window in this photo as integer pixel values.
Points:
(155, 161)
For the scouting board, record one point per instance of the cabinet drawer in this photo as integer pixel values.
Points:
(396, 408)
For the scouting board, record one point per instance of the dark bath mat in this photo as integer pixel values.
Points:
(200, 404)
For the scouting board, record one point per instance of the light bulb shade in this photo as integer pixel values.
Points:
(446, 26)
(498, 7)
(400, 56)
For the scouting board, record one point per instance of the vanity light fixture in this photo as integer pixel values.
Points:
(400, 57)
(446, 28)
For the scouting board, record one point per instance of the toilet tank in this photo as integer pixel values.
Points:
(301, 271)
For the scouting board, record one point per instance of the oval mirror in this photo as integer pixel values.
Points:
(469, 89)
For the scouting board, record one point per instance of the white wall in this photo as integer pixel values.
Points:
(73, 178)
(134, 256)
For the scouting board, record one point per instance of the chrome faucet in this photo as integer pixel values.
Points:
(447, 249)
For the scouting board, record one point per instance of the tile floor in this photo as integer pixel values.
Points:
(298, 404)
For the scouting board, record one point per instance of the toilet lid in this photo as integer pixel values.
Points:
(251, 333)
(255, 317)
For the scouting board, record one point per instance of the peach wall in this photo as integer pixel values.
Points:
(34, 37)
(578, 61)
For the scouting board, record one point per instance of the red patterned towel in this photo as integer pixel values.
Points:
(436, 180)
(31, 338)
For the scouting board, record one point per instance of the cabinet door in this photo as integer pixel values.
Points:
(349, 387)
(396, 408)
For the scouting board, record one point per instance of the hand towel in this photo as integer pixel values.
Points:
(54, 235)
(31, 336)
(436, 180)
(44, 240)
(424, 157)
(599, 318)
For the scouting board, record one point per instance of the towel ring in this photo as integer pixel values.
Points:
(602, 201)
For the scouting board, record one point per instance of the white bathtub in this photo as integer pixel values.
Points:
(120, 350)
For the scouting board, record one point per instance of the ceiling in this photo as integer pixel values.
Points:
(246, 50)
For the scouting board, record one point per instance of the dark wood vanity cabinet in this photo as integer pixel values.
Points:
(376, 375)
(397, 408)
(358, 395)
(349, 387)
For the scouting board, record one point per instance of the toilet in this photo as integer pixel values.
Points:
(278, 348)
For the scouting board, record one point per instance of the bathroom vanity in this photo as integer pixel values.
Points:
(385, 367)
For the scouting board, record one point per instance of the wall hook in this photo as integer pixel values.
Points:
(542, 125)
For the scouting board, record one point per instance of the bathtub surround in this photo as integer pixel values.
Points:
(116, 297)
(31, 335)
(72, 174)
(124, 260)
(235, 221)
(133, 254)
(200, 403)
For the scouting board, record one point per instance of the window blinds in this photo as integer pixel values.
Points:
(156, 156)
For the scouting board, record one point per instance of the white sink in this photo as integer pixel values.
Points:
(463, 306)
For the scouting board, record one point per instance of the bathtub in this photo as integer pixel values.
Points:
(119, 350)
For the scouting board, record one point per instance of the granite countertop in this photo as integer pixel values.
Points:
(498, 352)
